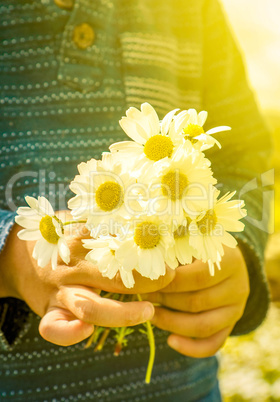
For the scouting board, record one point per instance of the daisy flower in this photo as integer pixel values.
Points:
(41, 224)
(103, 254)
(100, 195)
(188, 126)
(210, 230)
(150, 138)
(147, 247)
(180, 184)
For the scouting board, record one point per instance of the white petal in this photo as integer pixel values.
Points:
(45, 255)
(208, 141)
(229, 240)
(54, 258)
(74, 202)
(127, 278)
(133, 130)
(57, 227)
(134, 114)
(211, 268)
(28, 223)
(210, 248)
(183, 251)
(39, 247)
(63, 250)
(201, 118)
(85, 168)
(92, 243)
(32, 202)
(150, 113)
(159, 267)
(45, 206)
(93, 256)
(226, 196)
(28, 234)
(193, 116)
(181, 121)
(218, 130)
(113, 268)
(167, 121)
(28, 212)
(231, 225)
(107, 161)
(171, 259)
(138, 117)
(106, 259)
(127, 254)
(126, 146)
(145, 265)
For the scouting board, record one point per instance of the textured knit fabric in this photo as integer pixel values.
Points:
(60, 105)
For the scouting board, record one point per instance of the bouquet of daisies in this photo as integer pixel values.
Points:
(149, 203)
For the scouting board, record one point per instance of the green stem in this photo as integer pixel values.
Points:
(93, 338)
(72, 222)
(151, 339)
(102, 340)
(119, 344)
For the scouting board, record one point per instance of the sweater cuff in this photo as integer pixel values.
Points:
(15, 320)
(14, 313)
(7, 220)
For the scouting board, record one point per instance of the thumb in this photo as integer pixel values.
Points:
(61, 327)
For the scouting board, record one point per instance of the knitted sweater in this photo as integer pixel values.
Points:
(60, 103)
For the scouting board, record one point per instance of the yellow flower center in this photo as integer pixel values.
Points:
(109, 195)
(207, 223)
(158, 147)
(146, 235)
(174, 185)
(47, 229)
(193, 130)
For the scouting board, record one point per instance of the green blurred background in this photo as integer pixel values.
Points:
(250, 365)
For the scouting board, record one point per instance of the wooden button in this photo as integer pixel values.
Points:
(83, 35)
(65, 4)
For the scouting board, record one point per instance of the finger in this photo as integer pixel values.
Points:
(61, 327)
(90, 307)
(199, 348)
(201, 325)
(202, 300)
(89, 275)
(82, 272)
(195, 276)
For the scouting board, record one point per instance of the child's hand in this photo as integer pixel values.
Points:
(67, 298)
(73, 310)
(204, 308)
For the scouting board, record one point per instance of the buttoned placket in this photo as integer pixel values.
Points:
(80, 58)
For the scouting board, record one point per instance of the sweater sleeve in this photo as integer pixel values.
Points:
(14, 313)
(242, 163)
(7, 220)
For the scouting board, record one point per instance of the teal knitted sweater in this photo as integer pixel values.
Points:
(60, 103)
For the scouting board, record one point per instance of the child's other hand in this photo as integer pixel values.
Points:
(199, 310)
(67, 298)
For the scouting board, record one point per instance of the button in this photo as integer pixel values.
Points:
(65, 4)
(83, 35)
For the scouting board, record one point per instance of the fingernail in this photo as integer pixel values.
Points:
(148, 313)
